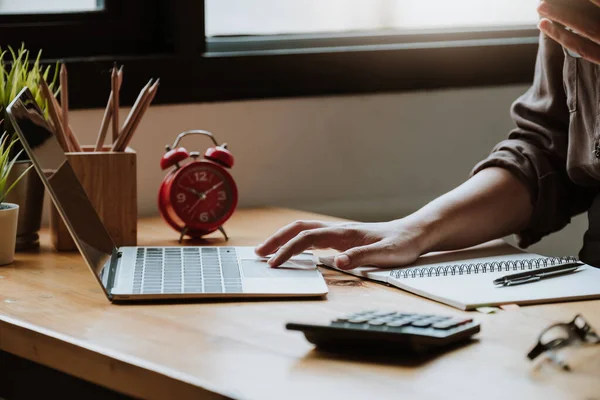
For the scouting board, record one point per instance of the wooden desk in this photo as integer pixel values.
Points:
(53, 313)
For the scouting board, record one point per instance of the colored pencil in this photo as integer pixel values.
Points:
(120, 76)
(144, 105)
(115, 103)
(64, 94)
(69, 135)
(104, 125)
(59, 130)
(135, 109)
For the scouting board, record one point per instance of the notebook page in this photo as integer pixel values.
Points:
(470, 291)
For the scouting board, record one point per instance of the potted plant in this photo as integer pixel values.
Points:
(9, 212)
(16, 72)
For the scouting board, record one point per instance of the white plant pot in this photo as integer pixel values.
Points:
(9, 214)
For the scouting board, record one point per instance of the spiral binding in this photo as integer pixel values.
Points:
(481, 268)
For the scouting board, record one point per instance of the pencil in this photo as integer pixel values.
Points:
(69, 135)
(104, 125)
(135, 109)
(64, 94)
(136, 121)
(115, 103)
(151, 94)
(73, 145)
(120, 75)
(59, 130)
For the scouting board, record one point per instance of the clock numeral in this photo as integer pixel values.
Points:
(204, 217)
(222, 195)
(181, 197)
(201, 176)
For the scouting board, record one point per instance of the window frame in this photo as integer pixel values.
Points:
(168, 41)
(117, 28)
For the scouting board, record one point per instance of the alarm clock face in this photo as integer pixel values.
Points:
(203, 195)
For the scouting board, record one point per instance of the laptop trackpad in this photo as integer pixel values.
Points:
(291, 269)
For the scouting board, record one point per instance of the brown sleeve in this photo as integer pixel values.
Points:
(536, 150)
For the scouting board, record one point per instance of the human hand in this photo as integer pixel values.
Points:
(385, 244)
(581, 16)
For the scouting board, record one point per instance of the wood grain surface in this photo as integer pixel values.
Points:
(52, 312)
(109, 180)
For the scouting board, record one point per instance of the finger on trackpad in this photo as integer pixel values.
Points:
(258, 268)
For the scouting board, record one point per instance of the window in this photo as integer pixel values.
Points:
(47, 7)
(272, 17)
(215, 50)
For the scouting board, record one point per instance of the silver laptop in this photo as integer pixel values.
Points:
(142, 273)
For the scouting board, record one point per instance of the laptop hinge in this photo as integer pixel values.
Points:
(110, 274)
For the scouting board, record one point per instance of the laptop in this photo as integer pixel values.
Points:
(152, 273)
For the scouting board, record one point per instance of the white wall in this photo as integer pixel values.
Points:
(369, 157)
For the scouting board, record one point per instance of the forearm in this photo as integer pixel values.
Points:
(490, 205)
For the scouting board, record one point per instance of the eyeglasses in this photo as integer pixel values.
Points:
(575, 333)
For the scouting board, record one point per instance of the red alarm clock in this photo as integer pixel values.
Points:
(198, 195)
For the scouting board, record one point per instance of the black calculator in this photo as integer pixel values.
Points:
(389, 330)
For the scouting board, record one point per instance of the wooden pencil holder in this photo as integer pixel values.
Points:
(109, 180)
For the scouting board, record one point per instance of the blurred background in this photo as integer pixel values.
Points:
(364, 109)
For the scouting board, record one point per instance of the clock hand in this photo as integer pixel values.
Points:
(195, 204)
(213, 188)
(194, 191)
(201, 195)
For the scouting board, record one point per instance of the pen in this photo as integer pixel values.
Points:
(536, 275)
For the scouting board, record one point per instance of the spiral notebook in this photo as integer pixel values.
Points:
(463, 279)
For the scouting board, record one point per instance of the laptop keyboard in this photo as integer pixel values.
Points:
(186, 270)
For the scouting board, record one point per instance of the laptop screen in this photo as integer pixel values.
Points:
(69, 197)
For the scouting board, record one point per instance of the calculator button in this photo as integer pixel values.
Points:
(377, 322)
(451, 323)
(460, 321)
(409, 315)
(412, 318)
(434, 320)
(380, 314)
(428, 316)
(443, 325)
(359, 320)
(399, 322)
(422, 323)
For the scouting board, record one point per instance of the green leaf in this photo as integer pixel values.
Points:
(2, 197)
(7, 163)
(23, 71)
